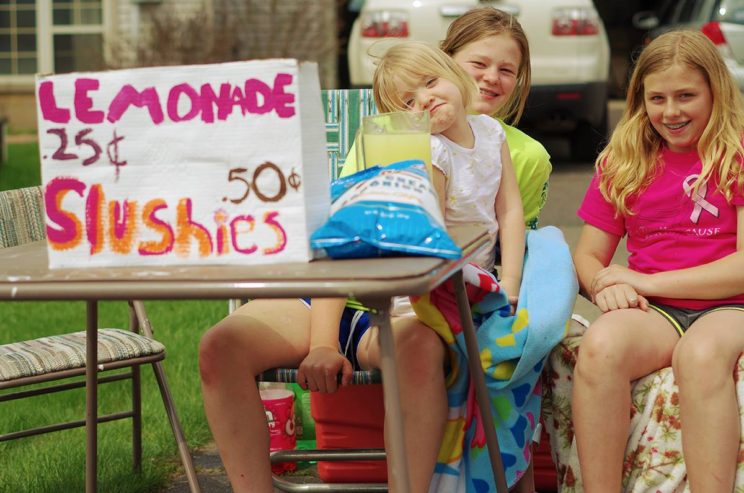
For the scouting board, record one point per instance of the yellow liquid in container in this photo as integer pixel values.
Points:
(384, 149)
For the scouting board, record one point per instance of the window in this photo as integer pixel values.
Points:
(18, 51)
(78, 35)
(50, 36)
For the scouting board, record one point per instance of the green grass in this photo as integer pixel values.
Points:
(22, 168)
(56, 462)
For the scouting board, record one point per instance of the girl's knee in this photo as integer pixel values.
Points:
(221, 354)
(700, 364)
(420, 351)
(599, 353)
(418, 338)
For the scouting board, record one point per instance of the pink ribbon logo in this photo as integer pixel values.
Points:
(699, 198)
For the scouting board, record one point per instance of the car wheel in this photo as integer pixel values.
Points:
(588, 140)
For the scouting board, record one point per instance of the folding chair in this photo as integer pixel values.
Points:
(58, 359)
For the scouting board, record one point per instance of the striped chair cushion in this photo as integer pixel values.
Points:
(67, 351)
(21, 216)
(344, 110)
(289, 375)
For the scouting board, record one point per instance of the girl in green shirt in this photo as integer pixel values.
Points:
(492, 47)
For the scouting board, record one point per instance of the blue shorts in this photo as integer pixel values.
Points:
(354, 323)
(682, 318)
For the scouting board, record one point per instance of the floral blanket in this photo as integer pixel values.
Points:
(513, 350)
(653, 457)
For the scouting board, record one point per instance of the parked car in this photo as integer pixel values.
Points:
(569, 51)
(721, 20)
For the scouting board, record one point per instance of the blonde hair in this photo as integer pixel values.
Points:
(408, 64)
(484, 22)
(630, 160)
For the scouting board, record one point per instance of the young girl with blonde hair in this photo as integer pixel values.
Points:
(670, 179)
(473, 175)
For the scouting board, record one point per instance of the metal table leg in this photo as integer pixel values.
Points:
(479, 381)
(91, 395)
(380, 316)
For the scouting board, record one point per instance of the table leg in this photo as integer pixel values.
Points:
(91, 395)
(479, 381)
(380, 316)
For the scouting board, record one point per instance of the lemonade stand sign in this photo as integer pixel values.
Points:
(201, 164)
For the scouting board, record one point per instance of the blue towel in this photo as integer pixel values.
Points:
(513, 351)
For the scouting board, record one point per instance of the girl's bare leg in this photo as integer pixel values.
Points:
(260, 335)
(420, 359)
(703, 369)
(619, 347)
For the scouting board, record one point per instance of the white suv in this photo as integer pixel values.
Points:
(568, 45)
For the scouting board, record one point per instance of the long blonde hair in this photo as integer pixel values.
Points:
(411, 62)
(484, 22)
(630, 161)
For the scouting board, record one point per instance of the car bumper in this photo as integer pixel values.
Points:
(561, 107)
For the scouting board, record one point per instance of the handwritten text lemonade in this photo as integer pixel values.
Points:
(86, 123)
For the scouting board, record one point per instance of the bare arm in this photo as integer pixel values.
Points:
(721, 278)
(440, 186)
(510, 215)
(593, 253)
(325, 316)
(320, 368)
(592, 256)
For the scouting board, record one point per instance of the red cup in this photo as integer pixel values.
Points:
(279, 407)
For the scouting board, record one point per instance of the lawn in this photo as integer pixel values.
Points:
(22, 168)
(56, 462)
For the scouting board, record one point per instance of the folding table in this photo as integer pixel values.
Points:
(24, 275)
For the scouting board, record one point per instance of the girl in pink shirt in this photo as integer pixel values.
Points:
(671, 180)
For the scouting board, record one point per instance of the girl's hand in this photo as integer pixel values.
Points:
(619, 296)
(617, 274)
(511, 288)
(320, 369)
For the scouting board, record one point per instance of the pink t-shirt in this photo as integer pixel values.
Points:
(668, 229)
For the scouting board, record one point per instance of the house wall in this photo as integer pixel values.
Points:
(18, 107)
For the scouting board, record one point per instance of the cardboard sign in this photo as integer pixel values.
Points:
(201, 164)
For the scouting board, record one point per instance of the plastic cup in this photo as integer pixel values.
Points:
(279, 407)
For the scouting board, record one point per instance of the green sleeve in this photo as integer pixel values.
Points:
(532, 166)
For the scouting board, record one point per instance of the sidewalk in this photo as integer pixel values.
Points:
(212, 477)
(211, 474)
(22, 138)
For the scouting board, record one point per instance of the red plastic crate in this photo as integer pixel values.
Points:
(353, 417)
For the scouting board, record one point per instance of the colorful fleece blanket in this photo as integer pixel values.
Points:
(513, 350)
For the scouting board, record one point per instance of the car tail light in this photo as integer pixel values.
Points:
(714, 33)
(385, 24)
(575, 22)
